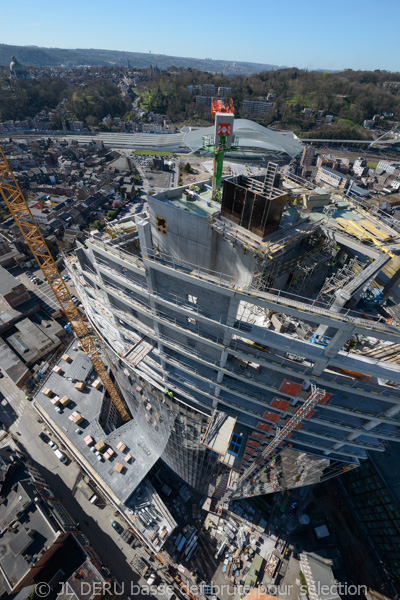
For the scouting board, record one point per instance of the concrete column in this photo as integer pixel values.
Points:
(337, 342)
(370, 424)
(144, 232)
(337, 445)
(230, 320)
(232, 311)
(336, 307)
(223, 360)
(392, 411)
(319, 366)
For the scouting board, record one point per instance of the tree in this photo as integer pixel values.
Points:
(92, 121)
(187, 168)
(97, 224)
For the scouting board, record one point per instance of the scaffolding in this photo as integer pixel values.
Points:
(339, 280)
(246, 483)
(317, 250)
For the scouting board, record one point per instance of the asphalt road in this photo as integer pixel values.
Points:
(18, 414)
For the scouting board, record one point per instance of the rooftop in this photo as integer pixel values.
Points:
(11, 364)
(318, 573)
(21, 541)
(86, 575)
(197, 200)
(7, 282)
(88, 404)
(251, 135)
(80, 368)
(123, 460)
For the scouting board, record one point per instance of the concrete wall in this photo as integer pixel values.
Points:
(210, 302)
(233, 260)
(189, 237)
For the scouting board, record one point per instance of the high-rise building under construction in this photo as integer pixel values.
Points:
(218, 319)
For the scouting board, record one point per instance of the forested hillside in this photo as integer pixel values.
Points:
(349, 96)
(92, 93)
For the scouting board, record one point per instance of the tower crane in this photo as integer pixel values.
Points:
(19, 209)
(222, 140)
(282, 434)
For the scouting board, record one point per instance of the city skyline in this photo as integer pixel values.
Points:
(312, 39)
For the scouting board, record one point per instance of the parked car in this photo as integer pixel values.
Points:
(52, 445)
(60, 456)
(44, 437)
(1, 375)
(118, 528)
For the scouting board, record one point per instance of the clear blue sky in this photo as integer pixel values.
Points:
(313, 34)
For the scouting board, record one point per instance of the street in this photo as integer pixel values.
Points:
(18, 414)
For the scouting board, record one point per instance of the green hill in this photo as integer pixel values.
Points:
(57, 57)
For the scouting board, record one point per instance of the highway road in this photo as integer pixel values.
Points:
(19, 416)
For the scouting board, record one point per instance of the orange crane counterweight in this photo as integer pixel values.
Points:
(19, 209)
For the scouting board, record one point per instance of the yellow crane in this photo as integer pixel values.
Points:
(19, 209)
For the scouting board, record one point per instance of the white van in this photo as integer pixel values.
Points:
(60, 456)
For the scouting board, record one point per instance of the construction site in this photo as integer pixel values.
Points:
(245, 334)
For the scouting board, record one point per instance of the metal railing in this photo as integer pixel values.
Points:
(280, 297)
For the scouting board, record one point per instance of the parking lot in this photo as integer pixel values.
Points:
(33, 279)
(155, 180)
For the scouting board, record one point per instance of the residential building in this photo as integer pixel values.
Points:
(10, 253)
(360, 167)
(12, 290)
(331, 177)
(224, 91)
(204, 100)
(369, 124)
(257, 108)
(307, 156)
(317, 570)
(74, 405)
(211, 353)
(389, 166)
(27, 333)
(86, 580)
(208, 89)
(194, 89)
(34, 524)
